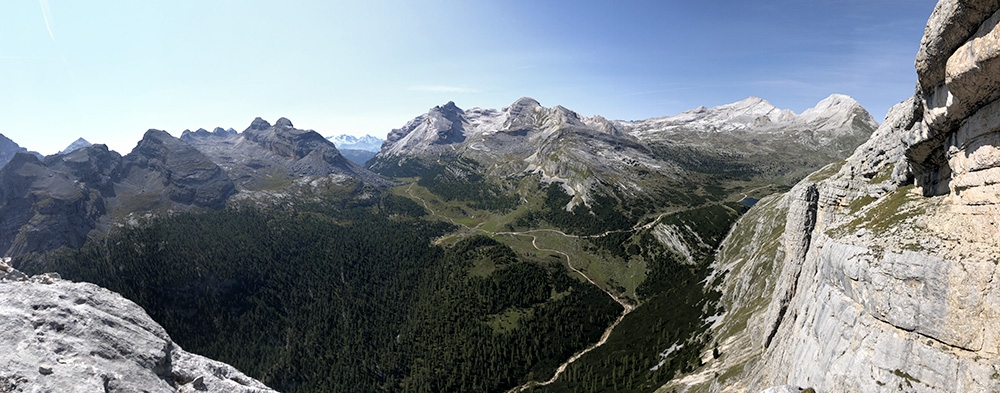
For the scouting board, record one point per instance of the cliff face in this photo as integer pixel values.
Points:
(62, 336)
(877, 274)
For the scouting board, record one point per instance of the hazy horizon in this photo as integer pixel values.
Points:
(109, 70)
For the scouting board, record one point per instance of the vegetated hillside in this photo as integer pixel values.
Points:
(517, 239)
(640, 218)
(879, 271)
(340, 289)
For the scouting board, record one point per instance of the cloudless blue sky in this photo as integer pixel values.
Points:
(108, 70)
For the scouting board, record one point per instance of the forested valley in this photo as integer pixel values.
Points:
(347, 293)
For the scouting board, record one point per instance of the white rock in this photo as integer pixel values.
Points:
(61, 336)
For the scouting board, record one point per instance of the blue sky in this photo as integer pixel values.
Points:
(109, 70)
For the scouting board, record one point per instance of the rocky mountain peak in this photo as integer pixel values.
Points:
(186, 175)
(283, 123)
(753, 108)
(223, 132)
(522, 107)
(259, 124)
(8, 148)
(77, 144)
(448, 107)
(835, 103)
(751, 102)
(838, 109)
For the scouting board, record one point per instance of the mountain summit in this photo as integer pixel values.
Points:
(264, 155)
(366, 143)
(582, 153)
(77, 144)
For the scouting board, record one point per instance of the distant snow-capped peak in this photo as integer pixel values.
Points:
(754, 113)
(367, 142)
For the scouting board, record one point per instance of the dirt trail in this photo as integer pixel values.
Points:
(626, 306)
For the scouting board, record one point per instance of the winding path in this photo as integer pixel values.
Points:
(626, 306)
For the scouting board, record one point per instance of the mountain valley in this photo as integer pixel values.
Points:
(618, 220)
(739, 248)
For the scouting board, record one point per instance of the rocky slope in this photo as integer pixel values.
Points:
(62, 336)
(58, 201)
(266, 156)
(756, 134)
(8, 148)
(877, 274)
(79, 143)
(629, 159)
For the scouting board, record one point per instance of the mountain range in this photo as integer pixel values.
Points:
(530, 248)
(61, 199)
(750, 139)
(356, 149)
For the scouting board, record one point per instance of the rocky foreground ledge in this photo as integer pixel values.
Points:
(62, 336)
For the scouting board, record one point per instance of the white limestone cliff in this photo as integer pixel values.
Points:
(61, 336)
(877, 274)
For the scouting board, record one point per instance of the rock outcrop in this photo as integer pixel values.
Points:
(61, 336)
(43, 209)
(79, 143)
(163, 168)
(8, 148)
(890, 285)
(55, 201)
(266, 157)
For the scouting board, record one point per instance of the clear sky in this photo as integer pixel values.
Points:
(108, 70)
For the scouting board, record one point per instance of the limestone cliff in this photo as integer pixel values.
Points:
(60, 336)
(877, 273)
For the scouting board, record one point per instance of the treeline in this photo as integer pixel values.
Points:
(665, 335)
(461, 180)
(346, 295)
(604, 214)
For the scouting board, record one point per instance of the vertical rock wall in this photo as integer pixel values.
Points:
(893, 287)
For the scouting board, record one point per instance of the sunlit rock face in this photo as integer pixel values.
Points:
(61, 336)
(877, 274)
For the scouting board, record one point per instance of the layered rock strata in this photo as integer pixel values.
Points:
(883, 277)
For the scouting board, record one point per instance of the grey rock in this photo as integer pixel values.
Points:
(163, 168)
(782, 389)
(77, 337)
(893, 287)
(263, 155)
(79, 143)
(42, 209)
(284, 123)
(8, 149)
(588, 156)
(949, 26)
